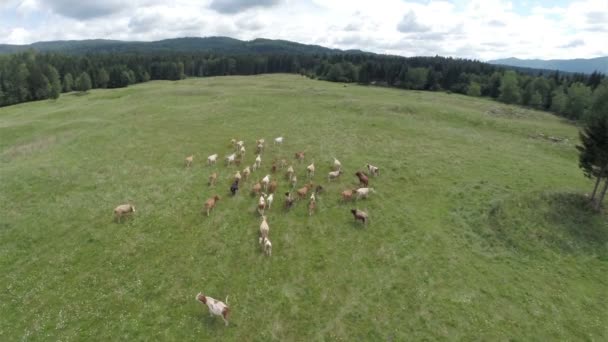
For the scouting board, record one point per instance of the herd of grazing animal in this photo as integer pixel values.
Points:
(265, 188)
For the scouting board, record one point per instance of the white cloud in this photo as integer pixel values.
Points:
(18, 35)
(481, 29)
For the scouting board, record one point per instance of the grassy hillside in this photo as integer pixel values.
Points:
(479, 228)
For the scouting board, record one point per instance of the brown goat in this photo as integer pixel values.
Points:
(303, 191)
(299, 156)
(363, 179)
(210, 203)
(272, 187)
(347, 195)
(256, 189)
(311, 207)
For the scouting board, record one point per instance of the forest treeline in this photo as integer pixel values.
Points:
(31, 76)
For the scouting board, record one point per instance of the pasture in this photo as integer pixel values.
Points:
(478, 228)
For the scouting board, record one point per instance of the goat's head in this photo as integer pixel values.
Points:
(201, 298)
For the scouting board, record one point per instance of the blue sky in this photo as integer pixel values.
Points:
(480, 29)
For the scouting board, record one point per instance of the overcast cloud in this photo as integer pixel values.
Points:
(480, 29)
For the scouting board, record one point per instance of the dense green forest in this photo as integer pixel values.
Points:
(30, 75)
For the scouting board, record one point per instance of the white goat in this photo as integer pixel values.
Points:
(215, 306)
(122, 210)
(311, 170)
(294, 181)
(290, 172)
(261, 205)
(373, 170)
(258, 162)
(334, 174)
(230, 159)
(265, 182)
(337, 164)
(267, 246)
(239, 145)
(212, 159)
(364, 192)
(264, 229)
(246, 173)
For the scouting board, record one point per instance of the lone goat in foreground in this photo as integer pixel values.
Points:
(122, 210)
(189, 160)
(360, 215)
(210, 203)
(215, 306)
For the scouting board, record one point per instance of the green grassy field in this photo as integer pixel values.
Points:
(479, 228)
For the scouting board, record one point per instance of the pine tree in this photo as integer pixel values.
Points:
(536, 100)
(599, 103)
(593, 154)
(577, 101)
(68, 83)
(102, 78)
(509, 90)
(558, 101)
(53, 76)
(474, 89)
(83, 82)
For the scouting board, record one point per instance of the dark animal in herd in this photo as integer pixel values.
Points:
(234, 187)
(289, 200)
(363, 179)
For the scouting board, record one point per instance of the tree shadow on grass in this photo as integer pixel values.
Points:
(572, 214)
(563, 222)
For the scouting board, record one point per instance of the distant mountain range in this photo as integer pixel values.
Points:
(220, 45)
(579, 65)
